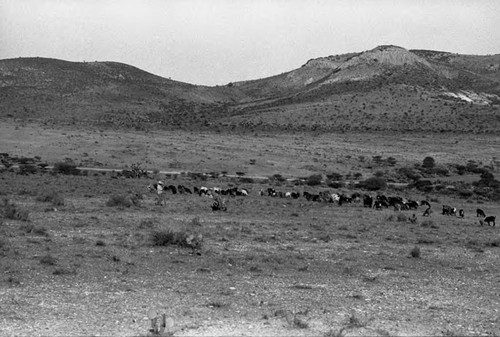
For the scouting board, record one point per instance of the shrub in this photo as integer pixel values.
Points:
(428, 163)
(373, 184)
(415, 252)
(66, 168)
(26, 169)
(40, 231)
(120, 200)
(51, 196)
(314, 180)
(334, 176)
(423, 185)
(14, 212)
(336, 184)
(48, 260)
(401, 217)
(179, 237)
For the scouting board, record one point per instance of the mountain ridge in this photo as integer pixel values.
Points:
(325, 89)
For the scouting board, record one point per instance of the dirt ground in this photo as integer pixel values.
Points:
(75, 266)
(290, 155)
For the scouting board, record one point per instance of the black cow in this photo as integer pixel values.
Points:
(490, 219)
(367, 201)
(461, 213)
(480, 213)
(448, 210)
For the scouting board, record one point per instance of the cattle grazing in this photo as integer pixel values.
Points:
(367, 201)
(344, 199)
(183, 189)
(461, 213)
(425, 202)
(427, 212)
(480, 213)
(489, 220)
(448, 210)
(411, 204)
(172, 188)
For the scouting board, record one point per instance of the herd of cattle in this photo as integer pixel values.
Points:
(377, 202)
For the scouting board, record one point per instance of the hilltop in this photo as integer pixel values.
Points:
(386, 88)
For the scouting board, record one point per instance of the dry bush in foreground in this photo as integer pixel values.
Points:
(51, 196)
(120, 200)
(14, 212)
(179, 236)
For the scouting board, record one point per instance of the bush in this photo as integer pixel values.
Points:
(423, 185)
(428, 163)
(373, 184)
(178, 237)
(66, 168)
(51, 196)
(334, 176)
(48, 260)
(314, 180)
(120, 200)
(26, 169)
(415, 252)
(14, 212)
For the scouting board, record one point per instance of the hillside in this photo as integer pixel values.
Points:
(386, 88)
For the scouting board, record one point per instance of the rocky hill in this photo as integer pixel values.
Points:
(386, 88)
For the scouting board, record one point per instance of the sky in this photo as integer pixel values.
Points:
(214, 42)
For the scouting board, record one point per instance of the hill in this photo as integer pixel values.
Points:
(388, 88)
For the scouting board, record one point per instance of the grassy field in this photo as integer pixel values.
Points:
(73, 264)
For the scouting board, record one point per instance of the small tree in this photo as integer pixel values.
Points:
(428, 163)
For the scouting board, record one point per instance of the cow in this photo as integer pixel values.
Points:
(448, 210)
(461, 213)
(367, 201)
(490, 219)
(480, 213)
(427, 212)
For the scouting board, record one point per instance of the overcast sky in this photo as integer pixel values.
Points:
(213, 42)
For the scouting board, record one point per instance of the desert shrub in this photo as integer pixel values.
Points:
(440, 171)
(415, 252)
(27, 169)
(428, 163)
(178, 237)
(100, 243)
(40, 231)
(14, 212)
(48, 260)
(334, 176)
(51, 196)
(422, 185)
(278, 177)
(64, 271)
(401, 217)
(428, 223)
(373, 184)
(336, 184)
(391, 161)
(408, 173)
(118, 200)
(121, 200)
(66, 168)
(314, 180)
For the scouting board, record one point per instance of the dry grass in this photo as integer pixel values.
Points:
(261, 256)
